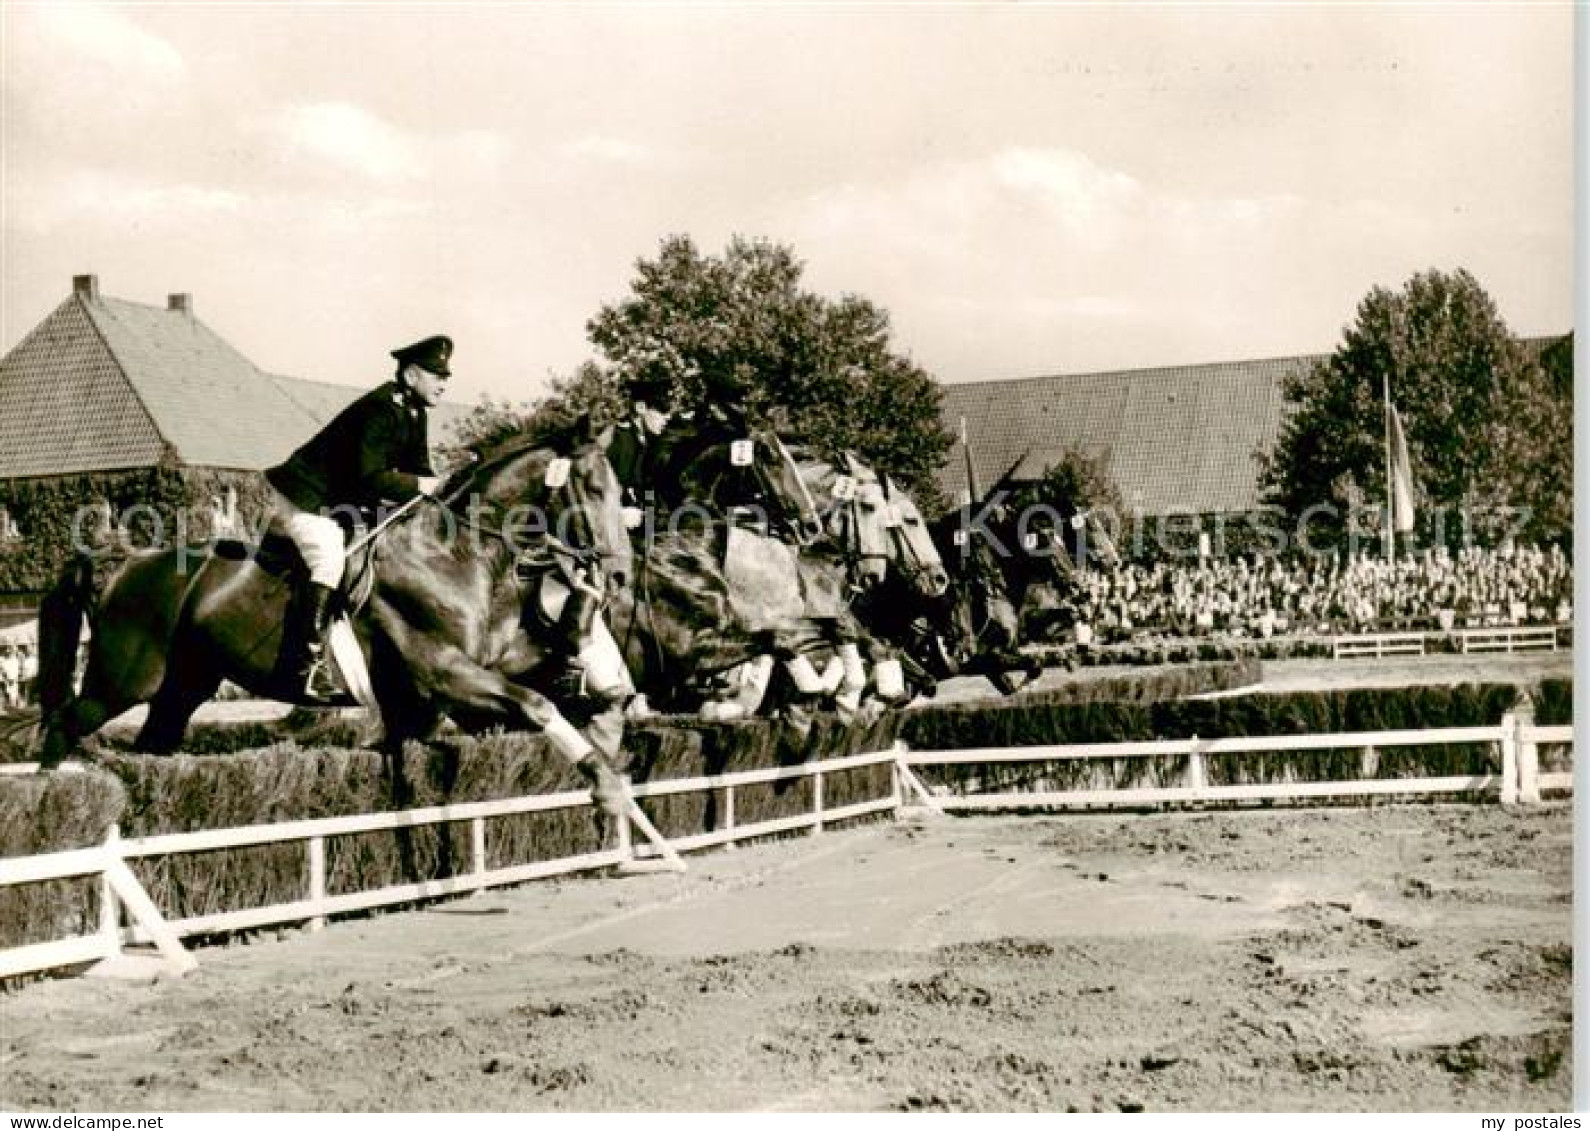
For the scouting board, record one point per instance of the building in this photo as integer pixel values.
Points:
(1179, 439)
(135, 406)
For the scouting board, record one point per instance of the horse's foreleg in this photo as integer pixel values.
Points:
(479, 694)
(747, 689)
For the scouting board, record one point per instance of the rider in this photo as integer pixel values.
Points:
(374, 451)
(636, 452)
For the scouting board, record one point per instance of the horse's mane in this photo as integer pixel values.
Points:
(555, 435)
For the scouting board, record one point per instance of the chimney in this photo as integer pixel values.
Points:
(85, 286)
(182, 304)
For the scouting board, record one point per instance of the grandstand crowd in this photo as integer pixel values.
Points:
(1433, 590)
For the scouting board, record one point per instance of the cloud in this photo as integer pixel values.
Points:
(346, 138)
(1052, 250)
(120, 208)
(86, 196)
(352, 139)
(474, 153)
(107, 40)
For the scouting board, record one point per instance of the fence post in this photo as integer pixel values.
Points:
(1509, 792)
(817, 802)
(626, 843)
(1528, 755)
(317, 880)
(109, 905)
(1197, 777)
(477, 845)
(728, 816)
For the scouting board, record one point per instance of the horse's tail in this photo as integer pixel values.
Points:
(61, 616)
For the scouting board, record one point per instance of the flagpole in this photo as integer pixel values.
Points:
(1391, 503)
(972, 493)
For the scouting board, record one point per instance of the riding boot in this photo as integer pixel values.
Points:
(306, 662)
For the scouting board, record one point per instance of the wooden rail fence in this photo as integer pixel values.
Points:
(1517, 780)
(1471, 641)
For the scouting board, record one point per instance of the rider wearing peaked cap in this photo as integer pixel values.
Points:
(431, 354)
(635, 448)
(376, 450)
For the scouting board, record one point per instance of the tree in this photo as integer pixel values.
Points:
(588, 393)
(1075, 482)
(1470, 397)
(739, 328)
(1532, 439)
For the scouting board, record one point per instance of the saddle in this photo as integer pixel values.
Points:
(278, 556)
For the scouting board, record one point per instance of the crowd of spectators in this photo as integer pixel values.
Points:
(1431, 590)
(18, 669)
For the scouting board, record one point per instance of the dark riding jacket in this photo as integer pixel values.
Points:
(375, 450)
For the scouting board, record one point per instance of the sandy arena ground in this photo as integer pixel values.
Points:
(1396, 957)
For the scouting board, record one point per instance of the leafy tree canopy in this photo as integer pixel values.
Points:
(1486, 424)
(740, 329)
(1077, 481)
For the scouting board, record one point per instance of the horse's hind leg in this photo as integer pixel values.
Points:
(191, 680)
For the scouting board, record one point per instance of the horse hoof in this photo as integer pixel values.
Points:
(718, 711)
(639, 708)
(608, 790)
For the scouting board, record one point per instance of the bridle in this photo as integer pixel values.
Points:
(580, 558)
(901, 554)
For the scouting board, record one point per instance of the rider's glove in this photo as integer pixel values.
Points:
(633, 517)
(430, 484)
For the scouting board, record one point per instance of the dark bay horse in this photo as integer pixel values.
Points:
(734, 581)
(452, 625)
(1040, 548)
(986, 625)
(727, 467)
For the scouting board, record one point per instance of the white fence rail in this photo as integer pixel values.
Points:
(120, 888)
(1378, 644)
(1508, 640)
(1517, 777)
(1540, 638)
(1517, 780)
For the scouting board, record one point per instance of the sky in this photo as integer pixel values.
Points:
(1027, 189)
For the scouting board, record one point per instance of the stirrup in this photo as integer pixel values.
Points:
(320, 678)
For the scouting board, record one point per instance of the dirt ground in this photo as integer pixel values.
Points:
(1387, 958)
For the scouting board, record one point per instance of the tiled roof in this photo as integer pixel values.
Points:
(1175, 438)
(323, 400)
(212, 405)
(103, 384)
(66, 406)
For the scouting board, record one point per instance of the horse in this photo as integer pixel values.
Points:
(450, 627)
(1040, 547)
(731, 576)
(987, 626)
(896, 572)
(746, 471)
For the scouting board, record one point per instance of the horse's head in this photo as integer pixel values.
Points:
(599, 498)
(556, 495)
(912, 542)
(724, 468)
(879, 527)
(982, 608)
(782, 473)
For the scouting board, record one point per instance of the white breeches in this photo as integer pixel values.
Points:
(319, 539)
